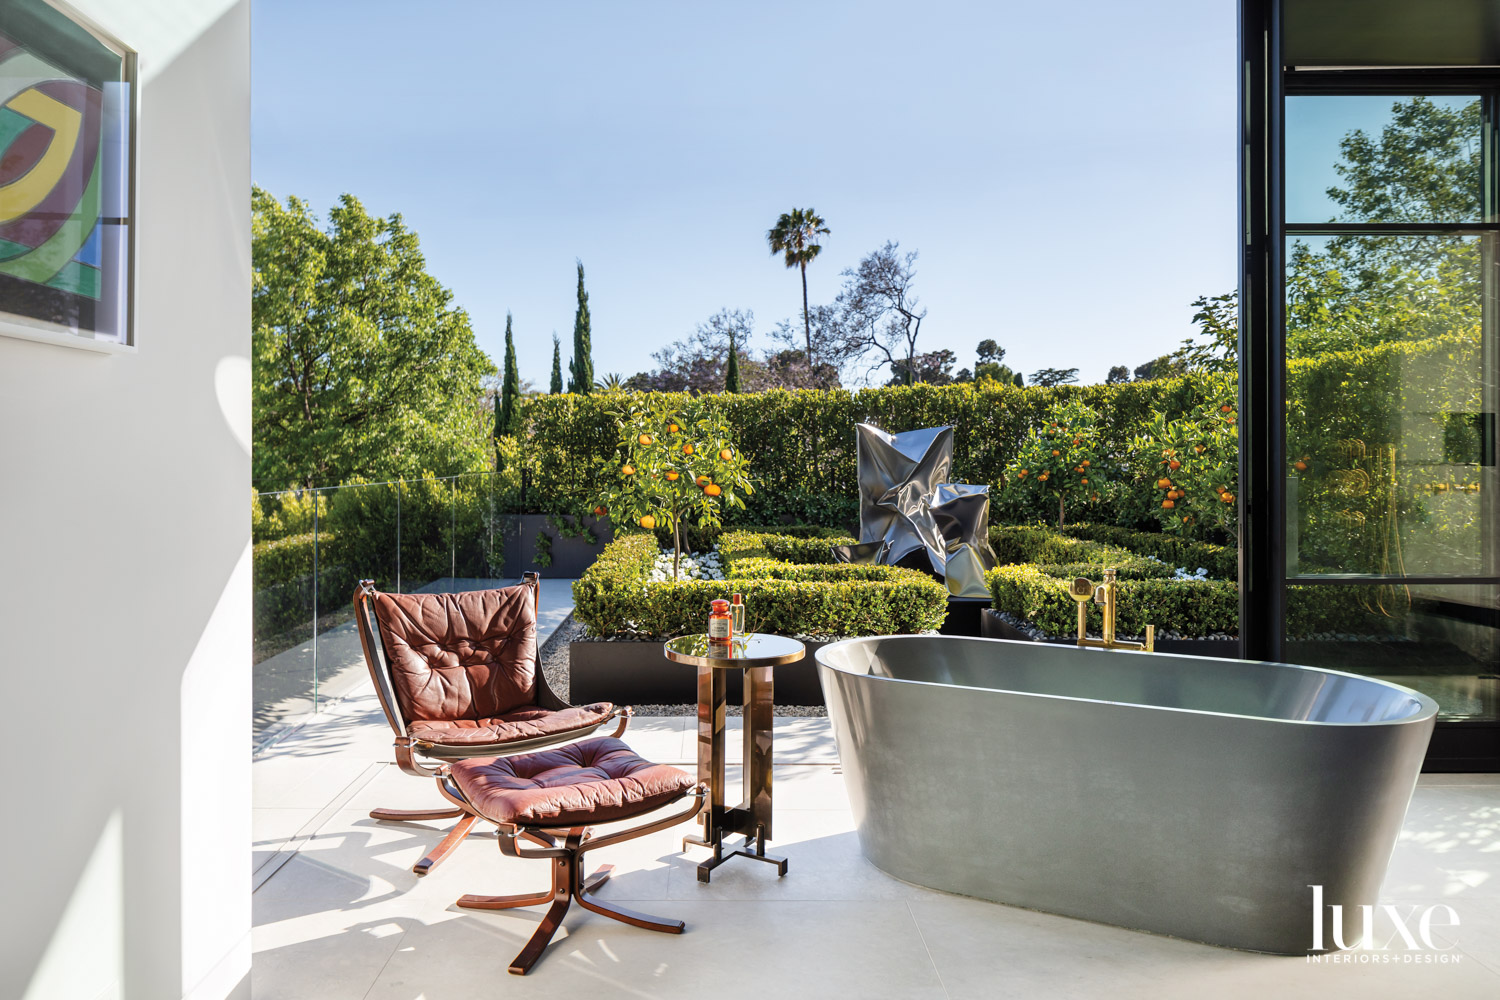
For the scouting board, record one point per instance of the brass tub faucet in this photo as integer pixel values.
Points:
(1083, 591)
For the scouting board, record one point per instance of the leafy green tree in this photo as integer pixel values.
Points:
(555, 386)
(1062, 456)
(732, 367)
(1191, 463)
(1352, 291)
(795, 236)
(990, 356)
(1054, 376)
(581, 368)
(1117, 375)
(363, 368)
(679, 464)
(1166, 366)
(506, 415)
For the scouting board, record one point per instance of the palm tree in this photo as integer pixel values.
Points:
(610, 383)
(796, 235)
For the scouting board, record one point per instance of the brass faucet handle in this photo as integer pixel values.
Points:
(1081, 590)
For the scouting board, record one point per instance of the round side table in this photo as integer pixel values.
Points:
(756, 654)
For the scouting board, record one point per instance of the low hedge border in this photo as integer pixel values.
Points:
(1038, 591)
(615, 598)
(1221, 561)
(1184, 607)
(1069, 556)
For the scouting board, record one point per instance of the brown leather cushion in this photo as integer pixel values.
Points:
(459, 656)
(590, 782)
(520, 724)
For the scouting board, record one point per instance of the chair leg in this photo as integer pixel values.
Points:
(628, 916)
(597, 879)
(564, 874)
(410, 815)
(470, 902)
(568, 884)
(445, 847)
(523, 962)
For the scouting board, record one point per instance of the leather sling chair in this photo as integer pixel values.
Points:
(460, 676)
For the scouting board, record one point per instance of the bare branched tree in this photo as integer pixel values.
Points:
(880, 315)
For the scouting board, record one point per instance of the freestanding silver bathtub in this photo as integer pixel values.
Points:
(1196, 797)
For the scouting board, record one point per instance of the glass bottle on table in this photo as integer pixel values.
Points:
(737, 615)
(720, 624)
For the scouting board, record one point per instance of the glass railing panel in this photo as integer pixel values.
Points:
(284, 608)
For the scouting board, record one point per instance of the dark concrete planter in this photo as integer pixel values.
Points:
(964, 616)
(995, 627)
(639, 673)
(570, 556)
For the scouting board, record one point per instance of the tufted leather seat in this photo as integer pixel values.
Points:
(520, 724)
(576, 785)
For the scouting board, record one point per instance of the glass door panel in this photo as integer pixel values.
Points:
(1391, 481)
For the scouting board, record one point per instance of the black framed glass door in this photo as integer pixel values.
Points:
(1382, 286)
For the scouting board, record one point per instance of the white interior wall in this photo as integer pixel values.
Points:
(124, 570)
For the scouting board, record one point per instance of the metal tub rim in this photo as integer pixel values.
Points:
(1428, 707)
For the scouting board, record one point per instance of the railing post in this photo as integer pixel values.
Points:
(315, 602)
(398, 534)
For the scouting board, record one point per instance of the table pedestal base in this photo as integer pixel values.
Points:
(753, 848)
(752, 817)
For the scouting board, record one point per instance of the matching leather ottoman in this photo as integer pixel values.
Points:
(552, 798)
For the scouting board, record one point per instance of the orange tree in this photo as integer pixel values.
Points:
(1062, 456)
(676, 463)
(1192, 464)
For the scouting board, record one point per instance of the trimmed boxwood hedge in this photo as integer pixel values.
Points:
(1031, 586)
(616, 597)
(1064, 556)
(1221, 561)
(1187, 607)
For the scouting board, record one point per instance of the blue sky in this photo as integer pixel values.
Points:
(1067, 171)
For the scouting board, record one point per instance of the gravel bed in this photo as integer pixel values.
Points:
(555, 669)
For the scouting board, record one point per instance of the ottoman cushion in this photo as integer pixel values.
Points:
(595, 781)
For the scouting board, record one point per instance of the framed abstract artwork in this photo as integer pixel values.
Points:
(67, 145)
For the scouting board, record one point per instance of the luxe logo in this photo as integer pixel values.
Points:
(1411, 931)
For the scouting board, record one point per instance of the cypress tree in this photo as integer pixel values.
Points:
(732, 370)
(555, 386)
(510, 389)
(581, 368)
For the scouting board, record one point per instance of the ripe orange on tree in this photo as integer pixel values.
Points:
(713, 489)
(648, 522)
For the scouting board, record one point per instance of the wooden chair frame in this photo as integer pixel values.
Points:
(565, 848)
(411, 751)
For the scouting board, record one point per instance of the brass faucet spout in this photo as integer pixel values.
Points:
(1083, 591)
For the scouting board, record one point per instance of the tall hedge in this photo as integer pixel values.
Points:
(570, 441)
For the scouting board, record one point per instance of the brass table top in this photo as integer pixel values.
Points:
(752, 649)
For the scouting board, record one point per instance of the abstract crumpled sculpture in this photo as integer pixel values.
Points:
(909, 514)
